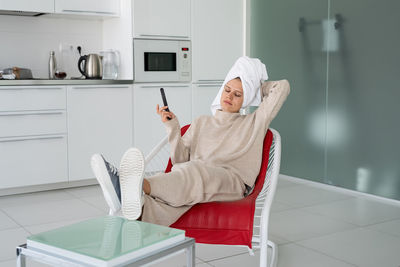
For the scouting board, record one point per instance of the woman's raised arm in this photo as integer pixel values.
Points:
(274, 94)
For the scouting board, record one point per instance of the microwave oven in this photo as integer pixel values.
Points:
(156, 60)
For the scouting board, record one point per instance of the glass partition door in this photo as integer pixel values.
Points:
(363, 95)
(286, 36)
(339, 125)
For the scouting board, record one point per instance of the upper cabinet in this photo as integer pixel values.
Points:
(161, 19)
(103, 8)
(88, 7)
(42, 6)
(217, 37)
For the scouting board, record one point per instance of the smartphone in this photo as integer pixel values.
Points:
(164, 99)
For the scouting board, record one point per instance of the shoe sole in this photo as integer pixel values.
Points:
(104, 179)
(131, 180)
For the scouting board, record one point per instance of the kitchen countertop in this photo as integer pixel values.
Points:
(62, 82)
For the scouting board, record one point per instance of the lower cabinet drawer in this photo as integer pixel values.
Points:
(33, 160)
(15, 98)
(32, 123)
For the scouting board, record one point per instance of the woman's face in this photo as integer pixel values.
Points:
(232, 96)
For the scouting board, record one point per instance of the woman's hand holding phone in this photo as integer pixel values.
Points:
(164, 112)
(165, 115)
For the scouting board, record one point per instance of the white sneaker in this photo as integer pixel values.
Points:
(108, 178)
(131, 174)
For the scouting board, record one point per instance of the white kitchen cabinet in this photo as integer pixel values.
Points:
(202, 97)
(217, 37)
(99, 121)
(161, 19)
(33, 160)
(148, 128)
(33, 139)
(28, 98)
(88, 7)
(43, 6)
(32, 123)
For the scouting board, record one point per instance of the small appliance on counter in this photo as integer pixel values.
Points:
(16, 73)
(91, 66)
(157, 60)
(111, 61)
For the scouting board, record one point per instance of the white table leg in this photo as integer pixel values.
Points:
(20, 258)
(190, 255)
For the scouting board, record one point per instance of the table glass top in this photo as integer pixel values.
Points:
(107, 237)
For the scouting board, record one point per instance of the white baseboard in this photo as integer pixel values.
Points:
(339, 189)
(46, 187)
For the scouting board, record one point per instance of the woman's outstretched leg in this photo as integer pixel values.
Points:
(131, 174)
(109, 178)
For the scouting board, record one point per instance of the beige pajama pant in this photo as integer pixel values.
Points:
(188, 183)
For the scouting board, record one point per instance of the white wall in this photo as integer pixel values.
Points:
(27, 41)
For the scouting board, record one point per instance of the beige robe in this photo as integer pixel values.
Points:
(215, 159)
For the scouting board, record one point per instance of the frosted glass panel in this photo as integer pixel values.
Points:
(363, 110)
(340, 124)
(287, 36)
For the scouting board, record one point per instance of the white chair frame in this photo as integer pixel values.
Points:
(156, 161)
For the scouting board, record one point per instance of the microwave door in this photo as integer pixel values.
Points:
(160, 61)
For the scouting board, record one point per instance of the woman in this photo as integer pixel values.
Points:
(217, 159)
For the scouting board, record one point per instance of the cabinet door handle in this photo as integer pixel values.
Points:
(31, 88)
(158, 86)
(28, 138)
(100, 87)
(209, 81)
(160, 35)
(26, 113)
(91, 12)
(208, 85)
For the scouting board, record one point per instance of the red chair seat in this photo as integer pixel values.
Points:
(227, 223)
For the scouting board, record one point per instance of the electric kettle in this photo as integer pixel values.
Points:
(92, 66)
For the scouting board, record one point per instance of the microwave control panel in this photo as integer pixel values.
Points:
(185, 60)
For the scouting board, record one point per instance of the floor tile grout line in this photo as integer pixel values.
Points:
(381, 232)
(53, 222)
(342, 220)
(331, 218)
(386, 221)
(327, 235)
(11, 218)
(202, 261)
(319, 203)
(319, 214)
(69, 189)
(341, 190)
(58, 221)
(20, 225)
(94, 206)
(87, 202)
(234, 255)
(83, 199)
(328, 255)
(66, 191)
(209, 264)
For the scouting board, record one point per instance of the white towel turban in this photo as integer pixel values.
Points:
(253, 73)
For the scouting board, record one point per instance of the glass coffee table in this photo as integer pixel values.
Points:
(106, 241)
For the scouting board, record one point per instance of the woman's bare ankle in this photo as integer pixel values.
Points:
(146, 187)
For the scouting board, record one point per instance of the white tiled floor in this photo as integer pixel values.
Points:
(313, 227)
